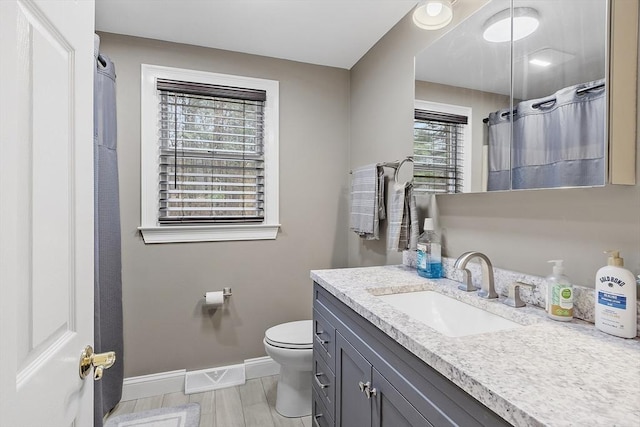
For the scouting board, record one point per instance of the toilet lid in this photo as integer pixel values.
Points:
(291, 335)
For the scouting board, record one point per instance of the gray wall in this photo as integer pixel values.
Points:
(165, 326)
(517, 230)
(382, 100)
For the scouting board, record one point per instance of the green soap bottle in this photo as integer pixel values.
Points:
(559, 301)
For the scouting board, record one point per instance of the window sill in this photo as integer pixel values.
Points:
(208, 233)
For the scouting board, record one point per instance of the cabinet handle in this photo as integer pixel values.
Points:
(320, 340)
(316, 377)
(366, 389)
(370, 392)
(315, 419)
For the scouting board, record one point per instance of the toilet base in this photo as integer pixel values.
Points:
(294, 393)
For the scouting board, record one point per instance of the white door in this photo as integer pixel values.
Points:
(46, 211)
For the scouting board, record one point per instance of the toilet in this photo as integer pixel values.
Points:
(291, 346)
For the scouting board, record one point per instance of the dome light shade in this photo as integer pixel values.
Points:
(433, 14)
(497, 29)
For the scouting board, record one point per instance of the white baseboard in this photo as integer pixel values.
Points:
(153, 385)
(261, 367)
(214, 378)
(174, 381)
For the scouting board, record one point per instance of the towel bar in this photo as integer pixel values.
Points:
(395, 164)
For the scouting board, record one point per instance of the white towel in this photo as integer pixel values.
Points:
(402, 232)
(367, 201)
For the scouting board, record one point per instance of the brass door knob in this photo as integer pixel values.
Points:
(100, 362)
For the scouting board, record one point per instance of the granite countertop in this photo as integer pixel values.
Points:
(547, 373)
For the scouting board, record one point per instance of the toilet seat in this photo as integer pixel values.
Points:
(293, 335)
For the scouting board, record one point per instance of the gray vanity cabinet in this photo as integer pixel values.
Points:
(362, 377)
(364, 397)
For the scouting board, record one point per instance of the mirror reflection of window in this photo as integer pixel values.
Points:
(441, 133)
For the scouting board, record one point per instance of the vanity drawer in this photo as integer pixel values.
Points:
(324, 382)
(324, 337)
(320, 417)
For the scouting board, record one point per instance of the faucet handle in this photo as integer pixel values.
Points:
(513, 299)
(467, 285)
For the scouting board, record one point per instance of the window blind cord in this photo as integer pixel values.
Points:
(180, 162)
(175, 143)
(244, 150)
(211, 178)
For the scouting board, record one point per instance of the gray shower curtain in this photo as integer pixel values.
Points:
(499, 150)
(559, 141)
(108, 266)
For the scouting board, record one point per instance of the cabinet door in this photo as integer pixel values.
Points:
(390, 408)
(353, 409)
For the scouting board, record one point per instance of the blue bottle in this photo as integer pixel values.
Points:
(429, 262)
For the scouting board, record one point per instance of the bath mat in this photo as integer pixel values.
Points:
(176, 416)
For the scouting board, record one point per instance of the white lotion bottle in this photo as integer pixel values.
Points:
(616, 304)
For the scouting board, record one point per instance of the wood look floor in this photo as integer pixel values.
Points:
(249, 405)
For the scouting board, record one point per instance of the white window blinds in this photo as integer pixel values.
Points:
(438, 151)
(211, 153)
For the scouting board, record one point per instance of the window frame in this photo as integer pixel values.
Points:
(461, 110)
(152, 231)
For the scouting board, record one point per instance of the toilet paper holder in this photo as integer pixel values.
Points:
(216, 299)
(226, 293)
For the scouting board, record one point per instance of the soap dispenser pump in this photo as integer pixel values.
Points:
(559, 294)
(616, 305)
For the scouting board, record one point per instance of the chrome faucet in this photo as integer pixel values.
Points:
(487, 289)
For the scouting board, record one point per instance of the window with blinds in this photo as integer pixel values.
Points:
(438, 151)
(211, 141)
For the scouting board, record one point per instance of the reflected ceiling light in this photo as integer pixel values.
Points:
(540, 62)
(433, 14)
(498, 28)
(548, 57)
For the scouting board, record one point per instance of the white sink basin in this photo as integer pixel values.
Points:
(446, 315)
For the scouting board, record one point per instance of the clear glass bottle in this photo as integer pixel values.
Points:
(429, 260)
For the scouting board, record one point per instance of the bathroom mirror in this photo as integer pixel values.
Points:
(536, 106)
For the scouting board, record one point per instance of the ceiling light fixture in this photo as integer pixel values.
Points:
(498, 28)
(433, 14)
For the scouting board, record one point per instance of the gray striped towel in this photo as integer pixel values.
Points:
(367, 201)
(402, 232)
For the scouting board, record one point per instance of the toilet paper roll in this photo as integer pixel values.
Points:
(214, 299)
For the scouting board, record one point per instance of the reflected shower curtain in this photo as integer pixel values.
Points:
(499, 149)
(108, 266)
(559, 141)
